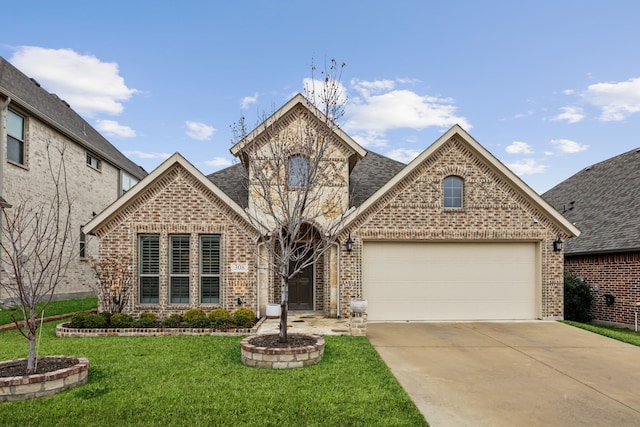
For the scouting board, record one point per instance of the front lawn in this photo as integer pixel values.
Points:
(200, 381)
(54, 308)
(621, 334)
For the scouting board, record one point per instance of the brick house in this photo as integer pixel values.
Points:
(97, 172)
(603, 201)
(453, 235)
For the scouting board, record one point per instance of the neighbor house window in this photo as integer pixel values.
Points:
(126, 182)
(453, 192)
(83, 244)
(93, 161)
(149, 269)
(15, 137)
(179, 269)
(210, 269)
(298, 171)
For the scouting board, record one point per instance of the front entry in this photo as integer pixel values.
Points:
(301, 290)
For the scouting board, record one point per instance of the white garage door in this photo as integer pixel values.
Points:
(449, 281)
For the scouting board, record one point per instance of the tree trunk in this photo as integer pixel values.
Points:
(31, 327)
(283, 311)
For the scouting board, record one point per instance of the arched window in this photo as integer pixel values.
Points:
(298, 171)
(453, 192)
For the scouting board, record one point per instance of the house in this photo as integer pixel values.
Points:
(603, 200)
(453, 235)
(97, 172)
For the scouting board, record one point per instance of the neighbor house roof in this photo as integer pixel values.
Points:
(490, 160)
(603, 200)
(54, 111)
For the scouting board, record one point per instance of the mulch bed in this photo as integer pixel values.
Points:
(45, 364)
(293, 340)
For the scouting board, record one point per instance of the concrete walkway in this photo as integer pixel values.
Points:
(308, 322)
(512, 374)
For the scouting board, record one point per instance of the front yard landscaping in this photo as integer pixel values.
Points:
(187, 380)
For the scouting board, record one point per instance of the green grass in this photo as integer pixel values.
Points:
(200, 381)
(54, 308)
(621, 334)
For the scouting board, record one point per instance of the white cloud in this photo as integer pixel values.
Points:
(570, 114)
(398, 109)
(567, 146)
(218, 162)
(147, 155)
(249, 100)
(370, 139)
(199, 130)
(89, 85)
(365, 88)
(113, 128)
(404, 155)
(519, 147)
(617, 100)
(314, 89)
(526, 167)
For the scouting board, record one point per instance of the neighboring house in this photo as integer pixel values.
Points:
(453, 235)
(97, 172)
(603, 201)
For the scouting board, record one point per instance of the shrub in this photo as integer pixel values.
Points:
(78, 320)
(144, 322)
(107, 317)
(88, 320)
(121, 320)
(149, 315)
(219, 317)
(577, 299)
(200, 322)
(195, 313)
(244, 317)
(173, 321)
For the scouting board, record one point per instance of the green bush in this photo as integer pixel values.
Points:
(144, 322)
(219, 317)
(88, 320)
(577, 299)
(107, 317)
(195, 313)
(78, 320)
(200, 322)
(149, 315)
(121, 320)
(173, 321)
(244, 317)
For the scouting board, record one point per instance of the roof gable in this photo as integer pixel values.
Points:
(130, 196)
(603, 201)
(484, 155)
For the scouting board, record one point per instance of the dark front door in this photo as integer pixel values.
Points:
(301, 290)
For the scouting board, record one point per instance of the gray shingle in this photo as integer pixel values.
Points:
(603, 201)
(29, 95)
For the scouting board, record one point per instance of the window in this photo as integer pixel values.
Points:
(93, 161)
(210, 269)
(126, 182)
(453, 192)
(15, 137)
(179, 269)
(83, 244)
(149, 255)
(298, 171)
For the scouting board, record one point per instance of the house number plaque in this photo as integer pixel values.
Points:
(239, 267)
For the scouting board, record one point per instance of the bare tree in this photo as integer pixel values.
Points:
(298, 192)
(36, 251)
(115, 279)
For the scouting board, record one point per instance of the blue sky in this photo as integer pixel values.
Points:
(548, 87)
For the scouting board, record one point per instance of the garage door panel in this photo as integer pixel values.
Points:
(449, 281)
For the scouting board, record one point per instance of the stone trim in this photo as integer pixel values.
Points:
(281, 358)
(38, 385)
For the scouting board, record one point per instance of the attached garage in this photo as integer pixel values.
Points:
(450, 281)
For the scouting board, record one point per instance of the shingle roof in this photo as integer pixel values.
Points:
(369, 174)
(603, 201)
(29, 95)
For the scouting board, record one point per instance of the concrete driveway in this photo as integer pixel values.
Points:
(512, 374)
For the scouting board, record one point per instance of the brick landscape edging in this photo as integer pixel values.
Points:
(64, 331)
(281, 358)
(46, 384)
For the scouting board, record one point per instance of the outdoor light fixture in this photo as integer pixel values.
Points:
(349, 243)
(557, 244)
(239, 301)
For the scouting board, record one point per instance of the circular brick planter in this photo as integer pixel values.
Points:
(46, 384)
(281, 358)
